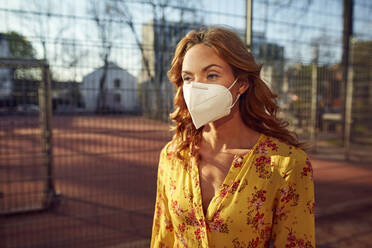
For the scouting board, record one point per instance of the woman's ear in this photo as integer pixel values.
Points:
(243, 87)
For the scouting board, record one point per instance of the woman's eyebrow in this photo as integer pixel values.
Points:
(211, 65)
(204, 69)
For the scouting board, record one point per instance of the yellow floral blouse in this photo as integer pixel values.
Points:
(266, 200)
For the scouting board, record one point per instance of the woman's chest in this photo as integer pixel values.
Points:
(207, 183)
(211, 178)
(241, 202)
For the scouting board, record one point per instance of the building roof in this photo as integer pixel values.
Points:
(111, 66)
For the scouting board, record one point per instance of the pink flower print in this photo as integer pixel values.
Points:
(176, 208)
(192, 215)
(291, 241)
(199, 233)
(283, 192)
(201, 222)
(273, 146)
(261, 167)
(266, 234)
(172, 186)
(234, 186)
(308, 169)
(196, 181)
(301, 243)
(310, 206)
(294, 242)
(262, 150)
(191, 218)
(291, 237)
(263, 160)
(162, 245)
(170, 155)
(238, 161)
(168, 225)
(170, 151)
(263, 146)
(259, 219)
(161, 170)
(253, 243)
(223, 191)
(216, 224)
(158, 210)
(182, 240)
(289, 194)
(182, 227)
(258, 198)
(279, 213)
(261, 195)
(258, 204)
(243, 185)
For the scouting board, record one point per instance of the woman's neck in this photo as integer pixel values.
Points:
(227, 134)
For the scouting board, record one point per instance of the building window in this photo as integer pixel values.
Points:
(117, 98)
(117, 83)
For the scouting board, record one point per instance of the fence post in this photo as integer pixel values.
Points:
(314, 95)
(349, 101)
(46, 132)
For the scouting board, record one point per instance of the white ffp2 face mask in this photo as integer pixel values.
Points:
(207, 102)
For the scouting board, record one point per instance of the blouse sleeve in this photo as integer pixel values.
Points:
(162, 229)
(293, 213)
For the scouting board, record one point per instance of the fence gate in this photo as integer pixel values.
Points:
(26, 181)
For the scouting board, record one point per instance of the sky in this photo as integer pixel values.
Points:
(72, 37)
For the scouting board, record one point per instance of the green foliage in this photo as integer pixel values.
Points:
(19, 46)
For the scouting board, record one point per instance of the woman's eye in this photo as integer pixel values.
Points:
(185, 79)
(212, 76)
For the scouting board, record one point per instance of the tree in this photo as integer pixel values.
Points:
(48, 33)
(19, 46)
(155, 65)
(102, 12)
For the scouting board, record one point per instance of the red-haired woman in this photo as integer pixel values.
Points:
(233, 175)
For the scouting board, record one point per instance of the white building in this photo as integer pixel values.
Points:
(120, 89)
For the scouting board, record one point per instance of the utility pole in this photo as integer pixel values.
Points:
(248, 28)
(346, 37)
(314, 98)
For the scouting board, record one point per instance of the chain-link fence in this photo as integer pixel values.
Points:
(84, 144)
(26, 157)
(316, 57)
(110, 100)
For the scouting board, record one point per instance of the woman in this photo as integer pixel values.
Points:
(233, 175)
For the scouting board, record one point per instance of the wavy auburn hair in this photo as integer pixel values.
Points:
(257, 105)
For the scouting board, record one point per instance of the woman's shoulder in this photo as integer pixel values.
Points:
(278, 147)
(169, 152)
(288, 159)
(170, 162)
(166, 152)
(169, 149)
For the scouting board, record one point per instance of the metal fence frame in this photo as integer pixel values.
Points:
(45, 122)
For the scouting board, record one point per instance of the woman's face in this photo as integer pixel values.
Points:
(201, 64)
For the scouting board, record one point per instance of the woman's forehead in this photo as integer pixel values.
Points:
(200, 56)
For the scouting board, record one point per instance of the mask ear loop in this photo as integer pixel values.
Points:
(233, 84)
(237, 98)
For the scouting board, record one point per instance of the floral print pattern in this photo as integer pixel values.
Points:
(216, 224)
(266, 198)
